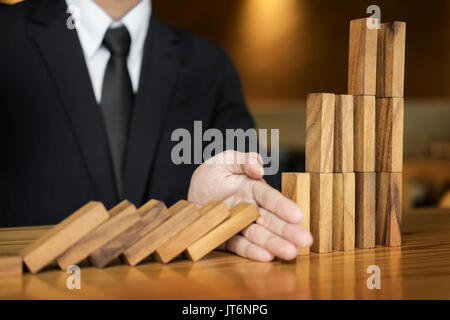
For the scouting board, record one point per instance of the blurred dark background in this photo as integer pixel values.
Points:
(285, 49)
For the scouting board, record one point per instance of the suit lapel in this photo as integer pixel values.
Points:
(160, 67)
(62, 54)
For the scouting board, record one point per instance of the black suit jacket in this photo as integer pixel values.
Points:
(55, 152)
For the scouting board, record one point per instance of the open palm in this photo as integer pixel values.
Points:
(234, 177)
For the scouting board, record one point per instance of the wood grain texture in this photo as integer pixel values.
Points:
(322, 212)
(362, 61)
(64, 235)
(343, 134)
(320, 132)
(182, 214)
(365, 210)
(391, 60)
(389, 134)
(364, 133)
(152, 214)
(389, 209)
(10, 265)
(122, 216)
(417, 270)
(343, 211)
(296, 186)
(211, 215)
(241, 216)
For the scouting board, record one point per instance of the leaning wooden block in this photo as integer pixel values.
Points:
(343, 211)
(389, 209)
(10, 265)
(64, 235)
(211, 215)
(364, 133)
(389, 134)
(343, 134)
(122, 216)
(182, 213)
(296, 186)
(241, 216)
(365, 210)
(319, 132)
(322, 212)
(362, 61)
(152, 214)
(391, 60)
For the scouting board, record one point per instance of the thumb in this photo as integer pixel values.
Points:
(236, 162)
(250, 164)
(253, 170)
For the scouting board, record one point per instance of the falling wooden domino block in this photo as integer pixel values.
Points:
(296, 186)
(362, 61)
(211, 215)
(364, 133)
(343, 134)
(389, 209)
(122, 216)
(319, 132)
(343, 211)
(152, 214)
(241, 216)
(182, 214)
(391, 60)
(64, 235)
(322, 212)
(10, 265)
(365, 210)
(389, 134)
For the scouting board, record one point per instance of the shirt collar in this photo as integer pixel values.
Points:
(92, 22)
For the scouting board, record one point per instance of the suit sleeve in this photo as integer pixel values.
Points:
(230, 108)
(231, 111)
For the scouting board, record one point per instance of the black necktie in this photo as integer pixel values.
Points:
(117, 98)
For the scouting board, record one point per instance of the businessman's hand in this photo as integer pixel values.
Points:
(235, 177)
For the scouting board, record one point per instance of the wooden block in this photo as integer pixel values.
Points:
(364, 133)
(319, 132)
(10, 265)
(343, 211)
(64, 235)
(241, 216)
(391, 60)
(365, 210)
(362, 61)
(389, 134)
(322, 212)
(389, 209)
(343, 134)
(296, 186)
(182, 214)
(211, 215)
(152, 214)
(122, 216)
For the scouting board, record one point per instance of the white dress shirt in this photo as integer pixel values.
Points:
(92, 22)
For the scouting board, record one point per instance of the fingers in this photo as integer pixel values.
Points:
(272, 200)
(297, 235)
(244, 248)
(274, 244)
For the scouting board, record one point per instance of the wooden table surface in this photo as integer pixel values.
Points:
(418, 270)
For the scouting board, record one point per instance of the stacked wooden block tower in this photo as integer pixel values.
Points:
(352, 189)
